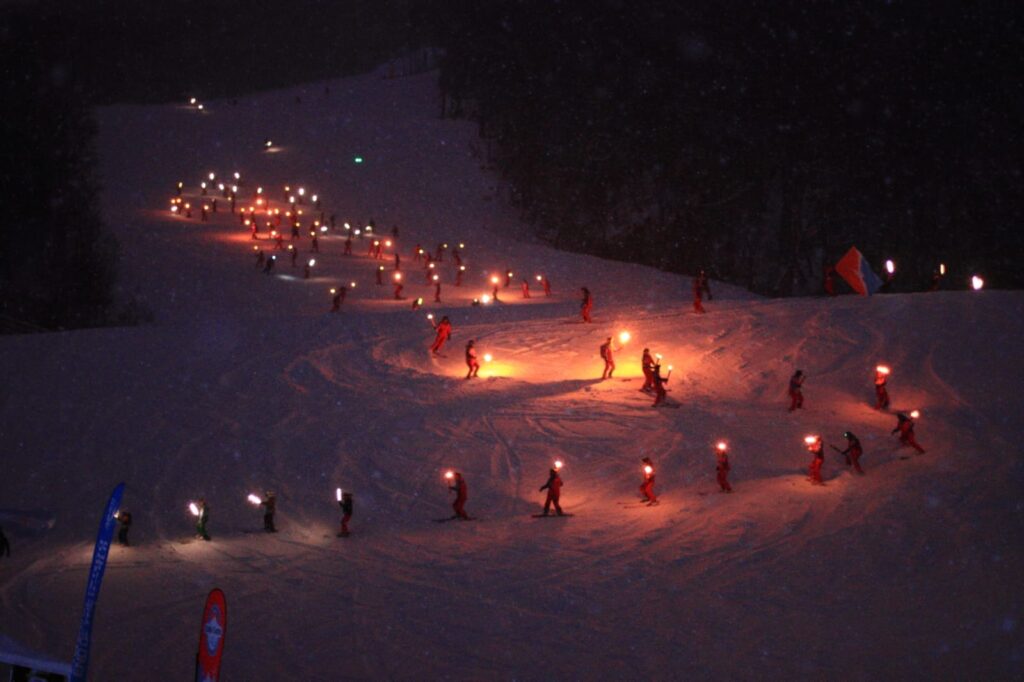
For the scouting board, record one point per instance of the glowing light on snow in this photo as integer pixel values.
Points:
(449, 474)
(890, 267)
(670, 368)
(388, 243)
(202, 184)
(357, 232)
(352, 285)
(357, 159)
(461, 245)
(192, 100)
(211, 176)
(174, 209)
(398, 277)
(942, 268)
(200, 107)
(419, 301)
(268, 144)
(259, 190)
(193, 508)
(337, 494)
(347, 226)
(314, 197)
(915, 414)
(434, 278)
(558, 464)
(494, 279)
(430, 316)
(882, 369)
(333, 291)
(323, 229)
(302, 191)
(722, 446)
(485, 299)
(810, 440)
(648, 469)
(510, 274)
(444, 246)
(539, 278)
(977, 283)
(624, 337)
(312, 262)
(380, 268)
(238, 176)
(488, 357)
(220, 186)
(291, 248)
(369, 228)
(462, 268)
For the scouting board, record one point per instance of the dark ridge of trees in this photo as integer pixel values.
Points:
(758, 139)
(57, 264)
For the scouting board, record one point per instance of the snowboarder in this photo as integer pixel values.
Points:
(816, 448)
(526, 289)
(125, 519)
(202, 518)
(881, 394)
(659, 384)
(471, 361)
(444, 332)
(346, 513)
(698, 307)
(796, 396)
(905, 427)
(722, 467)
(647, 365)
(5, 544)
(608, 357)
(337, 298)
(586, 304)
(459, 486)
(269, 504)
(554, 488)
(647, 486)
(852, 452)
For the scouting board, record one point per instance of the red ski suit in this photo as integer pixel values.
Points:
(881, 394)
(586, 306)
(554, 488)
(659, 386)
(698, 307)
(609, 360)
(647, 364)
(647, 487)
(460, 497)
(796, 396)
(444, 330)
(906, 430)
(471, 362)
(852, 453)
(814, 470)
(722, 469)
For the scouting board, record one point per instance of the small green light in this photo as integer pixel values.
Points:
(358, 159)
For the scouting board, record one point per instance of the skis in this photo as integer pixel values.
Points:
(455, 518)
(549, 516)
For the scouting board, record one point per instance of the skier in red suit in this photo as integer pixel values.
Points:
(905, 427)
(444, 332)
(471, 361)
(647, 487)
(881, 393)
(526, 289)
(647, 364)
(796, 396)
(459, 486)
(608, 357)
(698, 307)
(586, 304)
(546, 285)
(722, 467)
(816, 448)
(554, 488)
(852, 452)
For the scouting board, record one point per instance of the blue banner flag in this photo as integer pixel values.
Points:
(80, 663)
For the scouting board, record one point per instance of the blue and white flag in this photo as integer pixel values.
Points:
(80, 663)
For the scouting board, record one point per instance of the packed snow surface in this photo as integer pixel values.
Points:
(245, 382)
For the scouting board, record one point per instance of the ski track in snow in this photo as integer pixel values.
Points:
(245, 383)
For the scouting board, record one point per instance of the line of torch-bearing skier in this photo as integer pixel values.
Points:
(264, 221)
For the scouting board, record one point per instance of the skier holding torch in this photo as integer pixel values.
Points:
(554, 488)
(458, 484)
(202, 513)
(722, 467)
(881, 393)
(659, 384)
(444, 332)
(471, 360)
(345, 503)
(816, 448)
(905, 427)
(647, 486)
